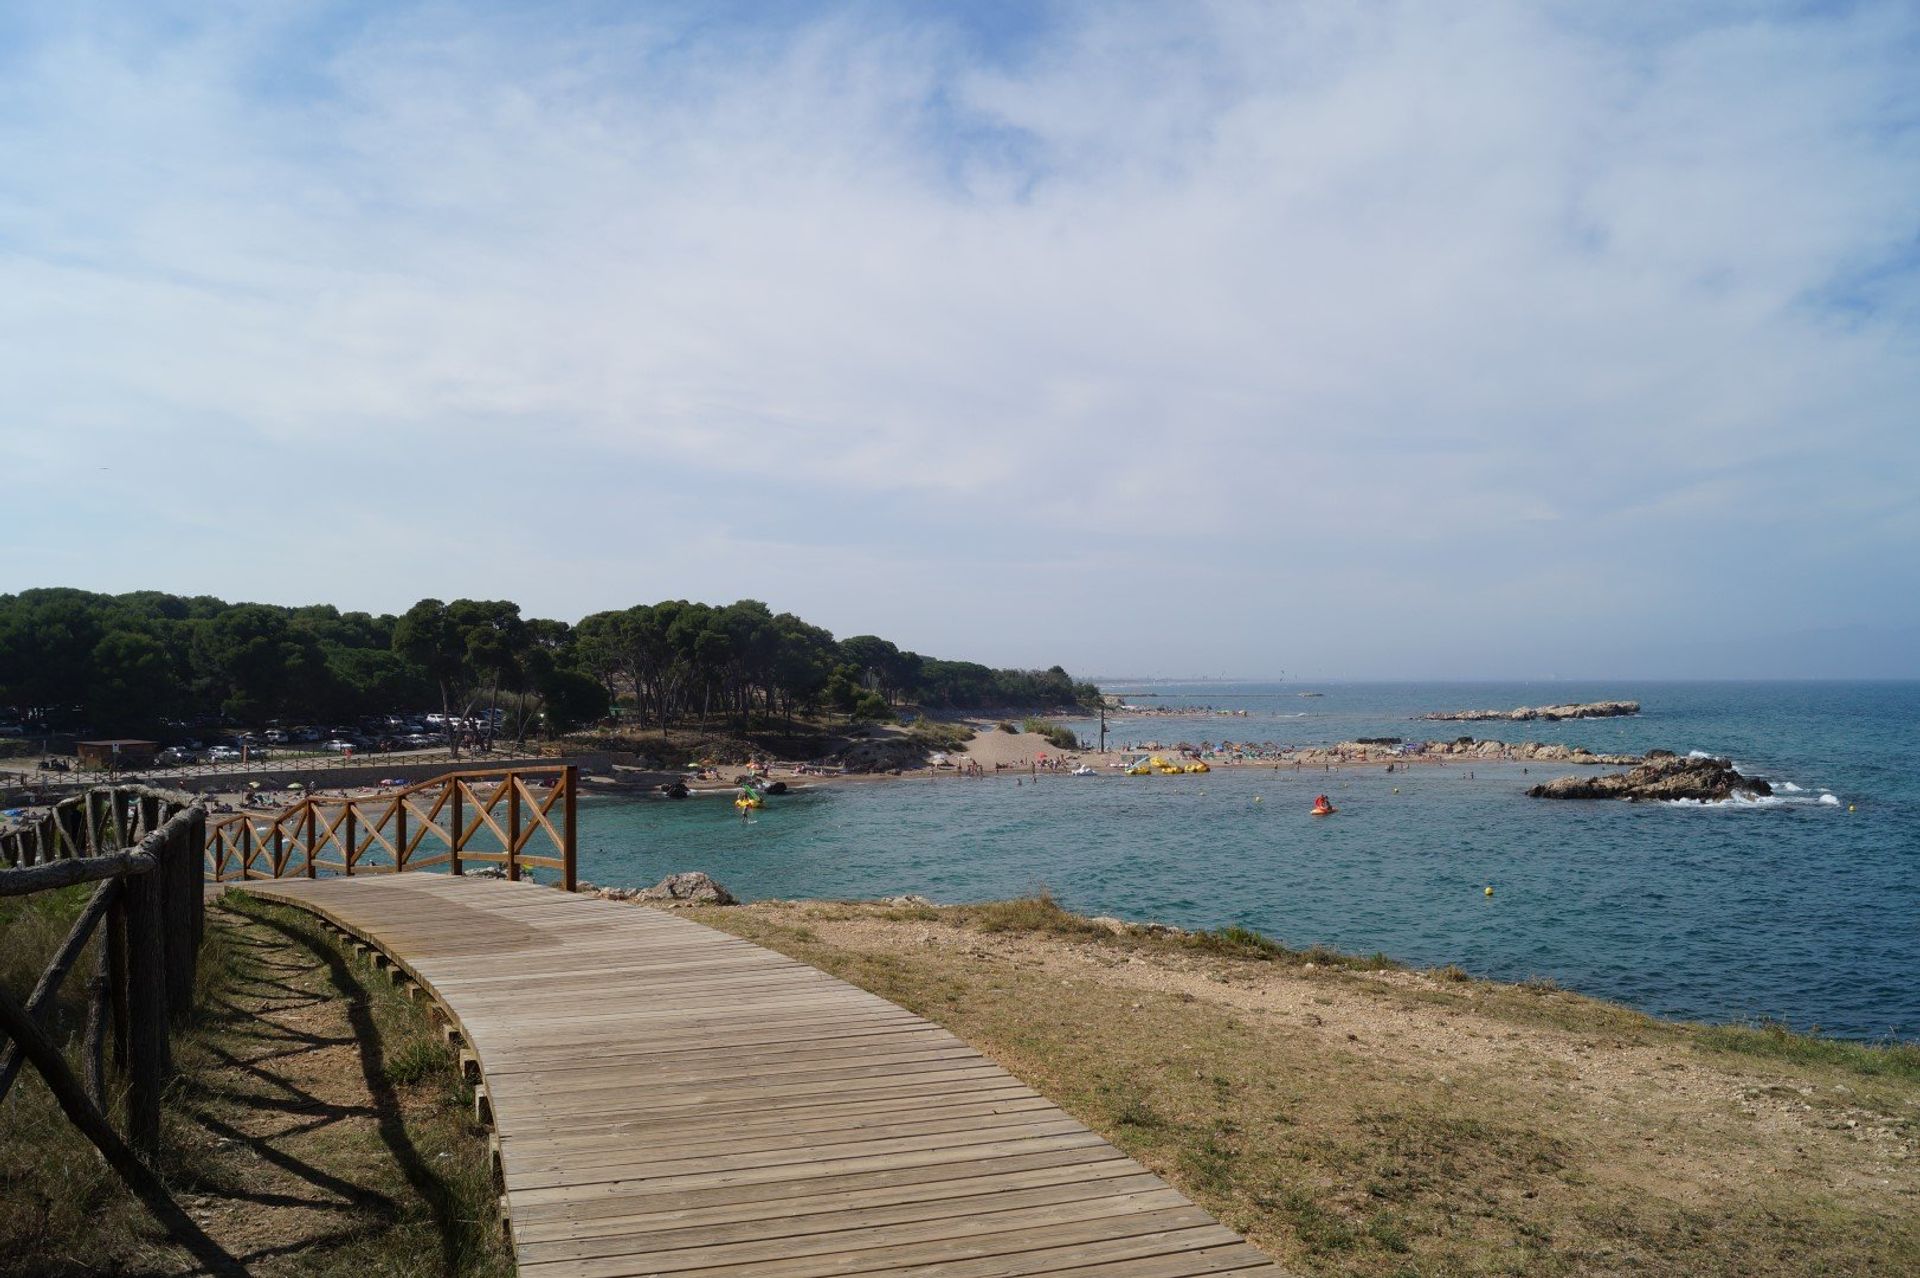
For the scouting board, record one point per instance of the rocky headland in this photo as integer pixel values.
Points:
(1662, 778)
(1551, 714)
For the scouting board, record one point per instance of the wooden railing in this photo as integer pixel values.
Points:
(143, 849)
(487, 816)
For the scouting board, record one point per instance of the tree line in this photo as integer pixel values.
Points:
(128, 664)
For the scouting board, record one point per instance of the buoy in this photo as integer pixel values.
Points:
(1256, 798)
(1396, 789)
(1851, 808)
(1489, 891)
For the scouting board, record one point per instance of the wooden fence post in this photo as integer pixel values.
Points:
(149, 1055)
(570, 829)
(459, 835)
(513, 828)
(181, 894)
(94, 1053)
(399, 833)
(117, 980)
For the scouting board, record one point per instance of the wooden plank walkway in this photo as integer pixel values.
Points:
(670, 1099)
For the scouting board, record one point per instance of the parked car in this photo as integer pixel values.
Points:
(223, 754)
(277, 736)
(175, 756)
(339, 745)
(418, 740)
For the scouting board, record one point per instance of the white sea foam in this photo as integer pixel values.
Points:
(1795, 798)
(1698, 754)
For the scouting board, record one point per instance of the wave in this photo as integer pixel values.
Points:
(1797, 797)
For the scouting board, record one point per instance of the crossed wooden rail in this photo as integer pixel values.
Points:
(487, 816)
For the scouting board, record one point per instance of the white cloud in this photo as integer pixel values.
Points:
(1300, 293)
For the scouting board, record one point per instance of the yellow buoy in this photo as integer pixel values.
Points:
(1851, 808)
(1489, 891)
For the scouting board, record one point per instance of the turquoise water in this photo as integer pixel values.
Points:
(1798, 910)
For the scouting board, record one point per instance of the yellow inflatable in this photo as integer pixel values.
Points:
(744, 803)
(1198, 766)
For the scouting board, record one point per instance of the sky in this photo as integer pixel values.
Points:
(1363, 340)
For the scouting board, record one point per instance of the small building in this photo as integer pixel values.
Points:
(122, 752)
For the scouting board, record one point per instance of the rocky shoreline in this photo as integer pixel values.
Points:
(1662, 778)
(1549, 714)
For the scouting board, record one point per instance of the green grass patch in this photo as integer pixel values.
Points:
(935, 734)
(1235, 941)
(418, 1059)
(1777, 1042)
(1059, 737)
(1037, 913)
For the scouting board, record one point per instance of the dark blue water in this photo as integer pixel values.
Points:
(1801, 910)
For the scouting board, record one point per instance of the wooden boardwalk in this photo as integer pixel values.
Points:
(671, 1099)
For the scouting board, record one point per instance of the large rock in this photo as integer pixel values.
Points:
(1705, 780)
(693, 887)
(1587, 710)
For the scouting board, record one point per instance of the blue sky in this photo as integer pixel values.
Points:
(1371, 340)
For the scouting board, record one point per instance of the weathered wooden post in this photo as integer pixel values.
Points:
(149, 1055)
(400, 831)
(180, 887)
(513, 827)
(569, 829)
(459, 839)
(116, 959)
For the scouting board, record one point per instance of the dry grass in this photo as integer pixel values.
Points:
(317, 1127)
(1359, 1120)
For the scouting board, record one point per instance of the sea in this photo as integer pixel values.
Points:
(1802, 909)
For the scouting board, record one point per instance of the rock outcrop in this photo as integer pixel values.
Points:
(691, 888)
(1465, 749)
(1664, 779)
(1552, 714)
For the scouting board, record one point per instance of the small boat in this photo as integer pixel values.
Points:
(1084, 771)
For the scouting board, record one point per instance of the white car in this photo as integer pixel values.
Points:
(223, 754)
(338, 745)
